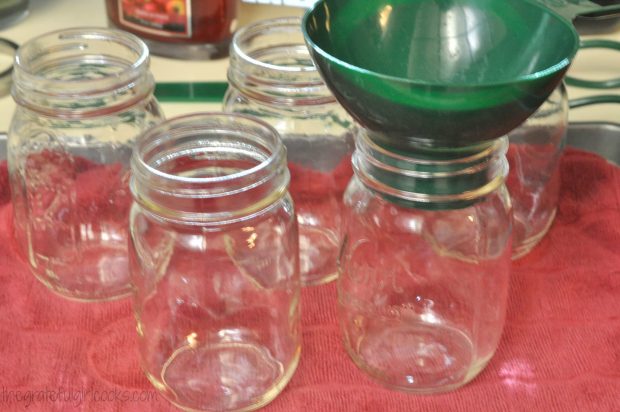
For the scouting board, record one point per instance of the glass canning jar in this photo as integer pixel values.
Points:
(215, 263)
(83, 95)
(534, 178)
(425, 262)
(272, 77)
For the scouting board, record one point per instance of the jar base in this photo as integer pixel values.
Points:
(525, 246)
(417, 357)
(101, 275)
(67, 295)
(318, 251)
(247, 365)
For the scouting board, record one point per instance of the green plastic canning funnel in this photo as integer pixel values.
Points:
(443, 73)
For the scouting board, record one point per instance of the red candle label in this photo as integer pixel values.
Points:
(169, 18)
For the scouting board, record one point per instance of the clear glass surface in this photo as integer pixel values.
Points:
(81, 105)
(423, 282)
(534, 178)
(214, 258)
(272, 77)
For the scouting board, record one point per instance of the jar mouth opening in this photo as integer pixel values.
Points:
(288, 28)
(270, 62)
(150, 157)
(209, 167)
(35, 58)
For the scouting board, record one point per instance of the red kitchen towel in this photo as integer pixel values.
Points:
(560, 350)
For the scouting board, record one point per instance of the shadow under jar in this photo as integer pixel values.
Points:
(272, 77)
(83, 95)
(425, 262)
(214, 260)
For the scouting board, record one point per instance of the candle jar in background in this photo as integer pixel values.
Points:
(534, 178)
(215, 262)
(425, 264)
(184, 29)
(12, 11)
(83, 95)
(272, 77)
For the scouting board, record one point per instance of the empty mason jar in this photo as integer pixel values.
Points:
(83, 95)
(425, 263)
(215, 264)
(534, 178)
(272, 77)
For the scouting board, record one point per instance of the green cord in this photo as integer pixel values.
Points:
(596, 84)
(590, 100)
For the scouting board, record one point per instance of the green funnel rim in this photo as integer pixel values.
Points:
(565, 62)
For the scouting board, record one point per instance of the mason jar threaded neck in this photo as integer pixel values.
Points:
(81, 72)
(209, 168)
(269, 62)
(448, 180)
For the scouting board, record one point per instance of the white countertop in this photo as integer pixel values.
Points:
(48, 15)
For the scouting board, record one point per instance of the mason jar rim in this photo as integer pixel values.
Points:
(188, 119)
(127, 74)
(268, 26)
(230, 195)
(296, 83)
(440, 181)
(367, 145)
